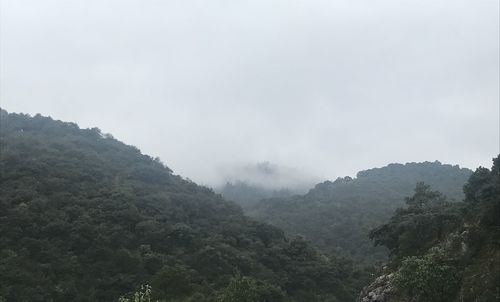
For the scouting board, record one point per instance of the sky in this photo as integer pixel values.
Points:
(319, 88)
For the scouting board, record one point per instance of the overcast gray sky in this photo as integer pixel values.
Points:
(322, 86)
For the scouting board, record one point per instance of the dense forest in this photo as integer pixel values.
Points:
(443, 251)
(248, 195)
(84, 217)
(337, 216)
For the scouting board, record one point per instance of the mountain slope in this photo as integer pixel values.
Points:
(443, 251)
(337, 216)
(84, 217)
(247, 195)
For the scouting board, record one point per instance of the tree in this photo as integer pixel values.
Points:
(433, 277)
(247, 289)
(414, 230)
(424, 198)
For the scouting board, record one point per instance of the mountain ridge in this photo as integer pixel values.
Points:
(84, 217)
(337, 216)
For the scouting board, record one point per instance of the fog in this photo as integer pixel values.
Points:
(266, 175)
(320, 88)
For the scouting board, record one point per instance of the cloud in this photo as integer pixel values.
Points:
(266, 175)
(329, 87)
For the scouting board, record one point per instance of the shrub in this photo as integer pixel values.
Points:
(433, 277)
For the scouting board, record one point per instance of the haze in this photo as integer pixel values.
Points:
(326, 88)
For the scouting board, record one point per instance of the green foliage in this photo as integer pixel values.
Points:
(433, 277)
(447, 251)
(424, 198)
(84, 217)
(246, 289)
(482, 193)
(337, 216)
(247, 195)
(481, 276)
(427, 220)
(174, 282)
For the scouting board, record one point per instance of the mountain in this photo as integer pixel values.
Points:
(265, 175)
(250, 183)
(247, 195)
(442, 251)
(337, 216)
(84, 217)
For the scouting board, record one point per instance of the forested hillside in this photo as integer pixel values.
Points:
(247, 195)
(443, 251)
(84, 217)
(337, 216)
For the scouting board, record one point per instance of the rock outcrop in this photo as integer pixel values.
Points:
(380, 290)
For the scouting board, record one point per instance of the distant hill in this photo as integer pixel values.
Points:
(442, 251)
(247, 184)
(247, 195)
(337, 216)
(265, 175)
(84, 217)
